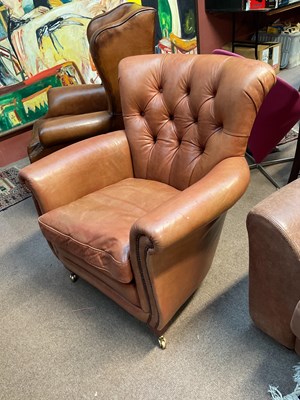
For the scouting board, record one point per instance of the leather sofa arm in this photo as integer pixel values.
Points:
(169, 251)
(78, 170)
(73, 100)
(196, 206)
(71, 128)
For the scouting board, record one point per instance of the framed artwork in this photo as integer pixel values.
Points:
(177, 26)
(27, 101)
(38, 35)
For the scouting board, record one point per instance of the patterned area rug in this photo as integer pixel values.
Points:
(11, 190)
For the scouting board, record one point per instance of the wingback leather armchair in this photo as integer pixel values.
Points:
(79, 112)
(138, 212)
(274, 267)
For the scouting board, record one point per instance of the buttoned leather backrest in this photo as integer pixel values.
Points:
(183, 114)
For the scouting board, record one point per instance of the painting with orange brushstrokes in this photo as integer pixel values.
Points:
(35, 36)
(27, 101)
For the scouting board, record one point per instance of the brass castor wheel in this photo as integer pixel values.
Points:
(73, 277)
(162, 342)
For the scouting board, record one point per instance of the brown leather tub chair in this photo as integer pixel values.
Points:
(274, 265)
(138, 212)
(82, 111)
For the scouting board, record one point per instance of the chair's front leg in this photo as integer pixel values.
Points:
(172, 247)
(168, 277)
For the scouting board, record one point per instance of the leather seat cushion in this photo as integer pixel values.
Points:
(96, 227)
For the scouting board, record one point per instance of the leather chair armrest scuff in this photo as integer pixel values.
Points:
(78, 170)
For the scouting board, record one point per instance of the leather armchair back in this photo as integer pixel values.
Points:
(76, 113)
(132, 33)
(109, 17)
(205, 129)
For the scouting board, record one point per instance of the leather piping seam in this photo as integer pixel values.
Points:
(96, 34)
(143, 277)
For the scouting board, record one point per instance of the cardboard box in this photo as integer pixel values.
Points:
(266, 52)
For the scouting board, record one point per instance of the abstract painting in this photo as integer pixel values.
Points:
(37, 35)
(176, 29)
(27, 101)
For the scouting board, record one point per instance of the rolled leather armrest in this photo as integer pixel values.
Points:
(71, 128)
(73, 100)
(77, 170)
(196, 206)
(172, 247)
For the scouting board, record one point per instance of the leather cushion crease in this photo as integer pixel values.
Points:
(96, 227)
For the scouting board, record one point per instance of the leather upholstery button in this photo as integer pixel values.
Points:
(142, 113)
(171, 117)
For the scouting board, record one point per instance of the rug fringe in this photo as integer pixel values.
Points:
(295, 395)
